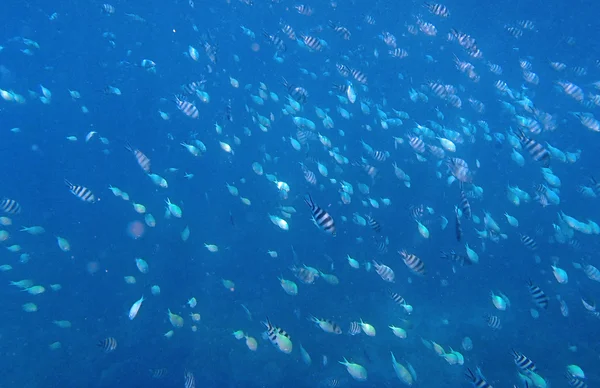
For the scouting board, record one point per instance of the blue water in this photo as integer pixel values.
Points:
(74, 55)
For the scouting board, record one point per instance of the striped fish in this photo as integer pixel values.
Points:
(189, 380)
(529, 242)
(465, 206)
(142, 160)
(413, 262)
(397, 298)
(384, 271)
(539, 297)
(187, 107)
(354, 328)
(10, 206)
(537, 151)
(158, 373)
(523, 362)
(81, 192)
(456, 258)
(312, 42)
(477, 380)
(438, 9)
(591, 272)
(373, 224)
(323, 220)
(576, 382)
(359, 76)
(278, 337)
(108, 344)
(309, 176)
(382, 245)
(493, 322)
(275, 41)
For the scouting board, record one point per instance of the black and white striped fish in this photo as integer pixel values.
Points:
(312, 42)
(523, 362)
(142, 160)
(539, 297)
(575, 382)
(373, 224)
(187, 107)
(456, 258)
(359, 76)
(591, 272)
(380, 156)
(341, 30)
(323, 220)
(298, 93)
(382, 245)
(10, 206)
(278, 337)
(354, 328)
(397, 298)
(108, 344)
(384, 271)
(275, 41)
(413, 262)
(537, 151)
(342, 69)
(465, 206)
(158, 373)
(438, 9)
(493, 322)
(309, 176)
(529, 242)
(477, 380)
(81, 192)
(189, 379)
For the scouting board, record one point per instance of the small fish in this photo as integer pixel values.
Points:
(539, 297)
(142, 160)
(135, 308)
(10, 206)
(81, 192)
(323, 220)
(415, 264)
(108, 344)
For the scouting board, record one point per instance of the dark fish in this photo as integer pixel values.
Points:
(108, 344)
(10, 206)
(538, 296)
(320, 216)
(81, 192)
